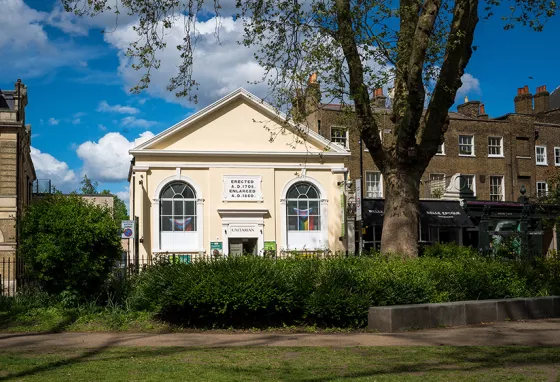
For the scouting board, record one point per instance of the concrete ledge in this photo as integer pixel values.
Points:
(421, 316)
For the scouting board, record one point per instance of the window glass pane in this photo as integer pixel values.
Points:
(302, 204)
(166, 223)
(178, 223)
(292, 223)
(167, 192)
(178, 187)
(312, 193)
(178, 207)
(190, 208)
(314, 223)
(292, 206)
(314, 207)
(302, 189)
(166, 207)
(293, 193)
(188, 193)
(189, 223)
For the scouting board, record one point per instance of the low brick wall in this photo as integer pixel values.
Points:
(421, 316)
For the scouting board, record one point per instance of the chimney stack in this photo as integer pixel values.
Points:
(523, 101)
(469, 108)
(379, 98)
(540, 99)
(312, 94)
(482, 114)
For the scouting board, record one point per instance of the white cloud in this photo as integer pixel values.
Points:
(102, 127)
(23, 35)
(105, 107)
(48, 167)
(220, 67)
(107, 160)
(76, 121)
(125, 197)
(471, 85)
(131, 121)
(53, 122)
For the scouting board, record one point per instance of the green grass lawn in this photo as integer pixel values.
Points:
(284, 364)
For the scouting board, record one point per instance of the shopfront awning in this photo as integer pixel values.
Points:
(435, 213)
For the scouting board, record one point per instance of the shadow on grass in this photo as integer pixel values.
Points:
(325, 364)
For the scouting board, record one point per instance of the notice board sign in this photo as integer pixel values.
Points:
(127, 229)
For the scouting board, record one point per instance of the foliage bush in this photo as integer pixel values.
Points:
(69, 245)
(254, 291)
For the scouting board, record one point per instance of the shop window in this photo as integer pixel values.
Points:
(466, 145)
(339, 135)
(303, 208)
(540, 155)
(497, 188)
(373, 185)
(495, 147)
(542, 189)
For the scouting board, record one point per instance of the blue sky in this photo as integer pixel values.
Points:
(84, 119)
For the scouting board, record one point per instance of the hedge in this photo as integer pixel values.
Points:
(254, 291)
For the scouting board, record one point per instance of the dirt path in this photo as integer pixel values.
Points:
(530, 333)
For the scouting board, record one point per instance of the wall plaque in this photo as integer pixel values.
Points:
(242, 188)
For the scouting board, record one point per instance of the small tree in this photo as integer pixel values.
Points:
(69, 244)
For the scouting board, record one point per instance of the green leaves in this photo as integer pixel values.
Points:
(253, 291)
(69, 244)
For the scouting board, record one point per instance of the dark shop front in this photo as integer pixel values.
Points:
(480, 224)
(443, 221)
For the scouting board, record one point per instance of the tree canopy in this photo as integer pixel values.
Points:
(89, 187)
(419, 47)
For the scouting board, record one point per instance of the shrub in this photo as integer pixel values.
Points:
(254, 291)
(69, 245)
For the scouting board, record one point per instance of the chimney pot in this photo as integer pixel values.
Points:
(312, 78)
(526, 89)
(482, 111)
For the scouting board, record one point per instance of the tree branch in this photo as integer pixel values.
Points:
(358, 91)
(457, 55)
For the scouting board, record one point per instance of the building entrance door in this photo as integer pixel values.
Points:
(243, 246)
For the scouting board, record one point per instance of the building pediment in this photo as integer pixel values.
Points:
(239, 124)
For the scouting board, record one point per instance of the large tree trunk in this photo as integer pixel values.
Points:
(400, 224)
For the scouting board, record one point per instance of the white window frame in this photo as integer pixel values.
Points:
(473, 182)
(442, 153)
(324, 231)
(502, 185)
(432, 180)
(545, 188)
(545, 163)
(194, 247)
(336, 127)
(472, 154)
(501, 146)
(380, 184)
(557, 156)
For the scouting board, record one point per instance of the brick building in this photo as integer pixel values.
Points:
(17, 173)
(496, 156)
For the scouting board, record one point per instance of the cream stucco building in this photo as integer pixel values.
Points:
(236, 173)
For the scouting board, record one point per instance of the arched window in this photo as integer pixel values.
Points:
(178, 208)
(303, 208)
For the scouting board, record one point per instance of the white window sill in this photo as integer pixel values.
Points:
(467, 155)
(495, 156)
(557, 164)
(440, 154)
(542, 164)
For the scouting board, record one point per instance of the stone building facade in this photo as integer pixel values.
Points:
(496, 156)
(17, 173)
